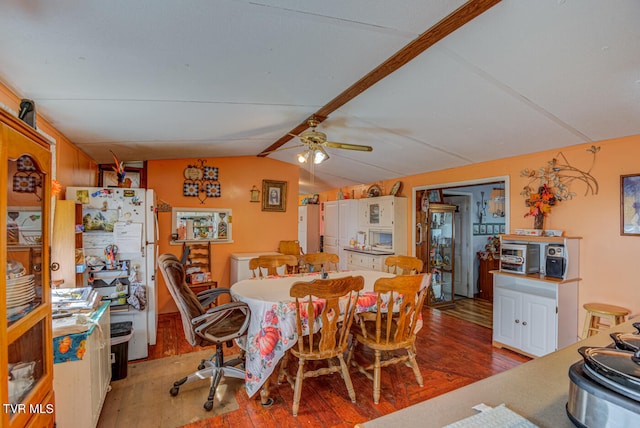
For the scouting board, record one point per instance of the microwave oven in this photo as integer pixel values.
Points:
(520, 258)
(381, 239)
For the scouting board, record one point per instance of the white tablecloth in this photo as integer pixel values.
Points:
(272, 329)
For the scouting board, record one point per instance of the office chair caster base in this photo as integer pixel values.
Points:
(208, 405)
(176, 386)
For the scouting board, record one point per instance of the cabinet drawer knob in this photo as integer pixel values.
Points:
(524, 323)
(517, 321)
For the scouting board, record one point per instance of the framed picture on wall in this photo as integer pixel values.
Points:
(435, 196)
(476, 229)
(483, 229)
(274, 195)
(107, 176)
(630, 205)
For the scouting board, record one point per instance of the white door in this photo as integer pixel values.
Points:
(302, 227)
(331, 224)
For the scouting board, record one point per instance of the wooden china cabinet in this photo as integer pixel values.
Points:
(441, 254)
(26, 355)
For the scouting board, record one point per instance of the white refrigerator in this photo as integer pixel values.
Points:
(122, 221)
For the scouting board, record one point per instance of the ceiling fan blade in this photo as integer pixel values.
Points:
(285, 148)
(335, 145)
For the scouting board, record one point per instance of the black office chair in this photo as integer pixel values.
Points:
(215, 326)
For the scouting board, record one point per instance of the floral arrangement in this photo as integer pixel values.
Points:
(540, 203)
(493, 246)
(491, 249)
(553, 184)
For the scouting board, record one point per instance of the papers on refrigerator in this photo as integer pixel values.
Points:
(128, 236)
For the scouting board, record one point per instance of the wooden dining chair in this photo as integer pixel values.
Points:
(382, 333)
(316, 261)
(263, 266)
(322, 299)
(403, 265)
(290, 247)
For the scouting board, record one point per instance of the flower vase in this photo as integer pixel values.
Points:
(538, 221)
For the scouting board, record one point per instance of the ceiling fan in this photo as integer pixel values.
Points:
(315, 143)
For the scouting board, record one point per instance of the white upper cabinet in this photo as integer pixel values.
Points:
(376, 212)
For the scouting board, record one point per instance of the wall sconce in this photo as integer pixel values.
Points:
(255, 194)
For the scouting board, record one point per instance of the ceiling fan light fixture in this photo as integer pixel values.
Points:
(320, 156)
(303, 157)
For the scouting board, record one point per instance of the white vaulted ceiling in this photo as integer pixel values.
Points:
(161, 79)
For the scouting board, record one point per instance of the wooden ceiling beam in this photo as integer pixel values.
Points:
(446, 26)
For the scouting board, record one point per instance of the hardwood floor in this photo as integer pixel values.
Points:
(451, 353)
(476, 311)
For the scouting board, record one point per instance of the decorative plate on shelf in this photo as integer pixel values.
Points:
(374, 191)
(396, 188)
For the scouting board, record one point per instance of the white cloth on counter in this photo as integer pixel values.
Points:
(76, 323)
(496, 417)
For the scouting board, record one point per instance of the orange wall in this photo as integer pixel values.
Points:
(609, 264)
(253, 229)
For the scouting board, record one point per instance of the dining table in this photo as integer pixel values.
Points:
(272, 327)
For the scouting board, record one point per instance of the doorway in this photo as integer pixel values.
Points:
(463, 259)
(478, 218)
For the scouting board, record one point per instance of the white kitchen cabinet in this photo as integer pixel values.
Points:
(362, 261)
(309, 228)
(340, 226)
(525, 321)
(377, 212)
(81, 386)
(532, 316)
(533, 313)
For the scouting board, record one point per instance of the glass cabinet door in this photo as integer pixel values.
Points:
(25, 267)
(441, 262)
(374, 214)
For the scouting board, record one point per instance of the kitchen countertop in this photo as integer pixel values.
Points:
(537, 390)
(372, 252)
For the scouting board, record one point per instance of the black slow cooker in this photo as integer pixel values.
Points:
(604, 388)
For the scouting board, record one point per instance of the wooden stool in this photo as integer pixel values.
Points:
(596, 312)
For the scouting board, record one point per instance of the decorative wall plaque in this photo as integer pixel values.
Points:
(201, 181)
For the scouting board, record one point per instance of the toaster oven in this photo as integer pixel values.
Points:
(520, 258)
